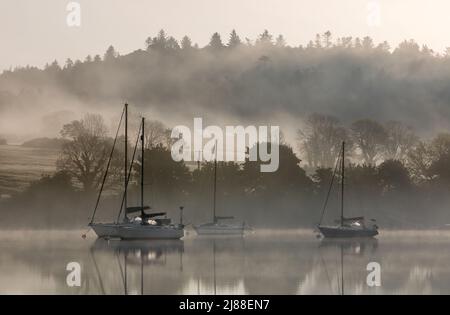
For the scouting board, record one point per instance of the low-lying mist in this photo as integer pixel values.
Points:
(259, 82)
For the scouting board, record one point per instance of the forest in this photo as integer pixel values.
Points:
(391, 175)
(390, 105)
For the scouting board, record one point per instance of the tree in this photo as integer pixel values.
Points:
(384, 47)
(321, 140)
(327, 39)
(318, 41)
(110, 54)
(288, 178)
(265, 39)
(57, 184)
(322, 179)
(428, 161)
(419, 159)
(166, 181)
(216, 42)
(86, 151)
(367, 43)
(370, 137)
(234, 40)
(440, 145)
(439, 171)
(362, 187)
(394, 176)
(426, 50)
(53, 68)
(408, 48)
(400, 140)
(155, 134)
(172, 44)
(69, 63)
(346, 42)
(186, 43)
(280, 41)
(157, 43)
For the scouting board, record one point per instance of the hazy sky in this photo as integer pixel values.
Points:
(35, 32)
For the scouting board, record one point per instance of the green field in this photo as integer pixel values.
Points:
(21, 165)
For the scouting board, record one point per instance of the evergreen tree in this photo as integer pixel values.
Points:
(280, 41)
(186, 43)
(172, 43)
(69, 63)
(234, 40)
(110, 54)
(265, 39)
(327, 39)
(157, 43)
(216, 42)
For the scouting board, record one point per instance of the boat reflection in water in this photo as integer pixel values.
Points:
(219, 268)
(351, 246)
(135, 260)
(259, 264)
(358, 250)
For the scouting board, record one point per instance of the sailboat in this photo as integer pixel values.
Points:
(218, 226)
(346, 227)
(143, 225)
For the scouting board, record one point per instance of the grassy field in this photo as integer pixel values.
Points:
(21, 165)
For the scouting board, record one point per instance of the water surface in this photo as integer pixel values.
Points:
(265, 262)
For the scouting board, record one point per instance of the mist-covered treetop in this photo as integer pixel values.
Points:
(250, 79)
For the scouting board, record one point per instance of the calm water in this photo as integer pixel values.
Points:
(265, 262)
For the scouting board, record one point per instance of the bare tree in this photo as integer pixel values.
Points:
(321, 140)
(425, 158)
(419, 160)
(327, 39)
(440, 145)
(370, 137)
(401, 139)
(86, 151)
(155, 134)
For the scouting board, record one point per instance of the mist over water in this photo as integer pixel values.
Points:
(266, 262)
(374, 108)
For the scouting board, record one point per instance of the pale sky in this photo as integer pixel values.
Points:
(35, 31)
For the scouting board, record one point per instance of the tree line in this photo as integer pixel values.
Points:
(392, 175)
(163, 42)
(247, 79)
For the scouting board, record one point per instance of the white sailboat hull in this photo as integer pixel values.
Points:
(219, 229)
(133, 231)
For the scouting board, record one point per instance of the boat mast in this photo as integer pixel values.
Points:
(215, 184)
(342, 270)
(142, 169)
(126, 161)
(342, 183)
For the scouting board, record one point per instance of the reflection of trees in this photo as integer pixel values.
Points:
(256, 264)
(276, 265)
(216, 265)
